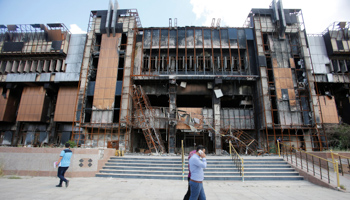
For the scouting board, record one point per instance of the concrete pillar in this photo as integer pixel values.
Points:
(217, 107)
(308, 140)
(172, 117)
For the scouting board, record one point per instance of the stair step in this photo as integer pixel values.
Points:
(179, 177)
(216, 173)
(165, 169)
(268, 169)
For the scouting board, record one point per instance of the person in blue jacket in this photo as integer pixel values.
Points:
(63, 164)
(198, 162)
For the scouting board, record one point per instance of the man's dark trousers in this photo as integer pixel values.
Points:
(60, 174)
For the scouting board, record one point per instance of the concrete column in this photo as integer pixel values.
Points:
(308, 140)
(217, 107)
(172, 117)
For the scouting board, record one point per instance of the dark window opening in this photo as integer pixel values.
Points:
(98, 39)
(88, 108)
(266, 44)
(236, 101)
(180, 63)
(120, 74)
(208, 63)
(195, 101)
(145, 63)
(227, 63)
(200, 63)
(242, 63)
(153, 63)
(123, 41)
(340, 45)
(162, 64)
(116, 109)
(121, 63)
(159, 101)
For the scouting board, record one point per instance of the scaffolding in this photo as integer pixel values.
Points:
(145, 118)
(288, 91)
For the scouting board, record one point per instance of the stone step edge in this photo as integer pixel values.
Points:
(290, 172)
(151, 175)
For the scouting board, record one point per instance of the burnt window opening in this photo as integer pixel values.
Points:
(180, 63)
(121, 62)
(227, 63)
(235, 63)
(340, 45)
(270, 75)
(88, 108)
(116, 111)
(193, 66)
(200, 62)
(145, 66)
(217, 66)
(207, 63)
(120, 74)
(98, 39)
(196, 101)
(123, 41)
(236, 101)
(243, 63)
(153, 63)
(158, 100)
(266, 43)
(162, 64)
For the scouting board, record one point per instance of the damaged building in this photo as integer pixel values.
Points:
(144, 89)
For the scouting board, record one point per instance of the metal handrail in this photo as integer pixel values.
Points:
(340, 162)
(312, 163)
(183, 160)
(238, 160)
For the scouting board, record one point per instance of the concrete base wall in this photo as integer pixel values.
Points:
(24, 161)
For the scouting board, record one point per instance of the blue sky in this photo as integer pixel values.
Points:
(156, 13)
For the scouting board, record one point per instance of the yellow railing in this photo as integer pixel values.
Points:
(340, 157)
(183, 160)
(317, 166)
(238, 160)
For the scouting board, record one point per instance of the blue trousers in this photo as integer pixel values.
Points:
(60, 174)
(197, 191)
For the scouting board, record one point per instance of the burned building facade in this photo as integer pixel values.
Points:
(137, 89)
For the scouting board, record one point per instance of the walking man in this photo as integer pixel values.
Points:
(188, 194)
(63, 163)
(197, 174)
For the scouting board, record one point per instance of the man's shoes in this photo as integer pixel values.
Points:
(58, 185)
(67, 183)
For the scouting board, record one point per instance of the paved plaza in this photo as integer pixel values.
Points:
(115, 188)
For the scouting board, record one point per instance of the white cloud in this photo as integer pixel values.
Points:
(317, 15)
(75, 29)
(232, 13)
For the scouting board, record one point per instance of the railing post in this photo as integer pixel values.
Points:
(307, 163)
(313, 165)
(341, 166)
(278, 148)
(242, 170)
(230, 147)
(337, 171)
(319, 161)
(183, 159)
(333, 160)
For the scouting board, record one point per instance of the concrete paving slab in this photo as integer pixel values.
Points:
(41, 188)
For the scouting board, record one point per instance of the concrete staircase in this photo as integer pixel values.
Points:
(218, 168)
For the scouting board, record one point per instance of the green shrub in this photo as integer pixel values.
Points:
(72, 143)
(273, 148)
(339, 136)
